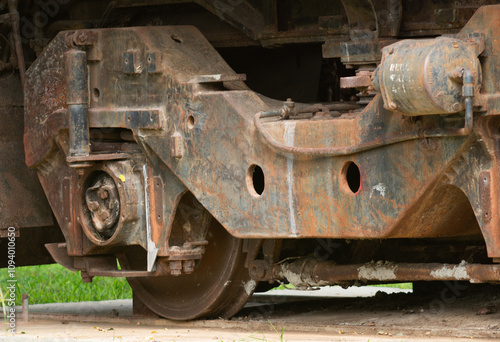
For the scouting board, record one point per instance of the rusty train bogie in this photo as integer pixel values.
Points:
(212, 146)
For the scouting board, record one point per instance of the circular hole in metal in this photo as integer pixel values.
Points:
(255, 180)
(190, 122)
(126, 60)
(351, 177)
(96, 94)
(176, 38)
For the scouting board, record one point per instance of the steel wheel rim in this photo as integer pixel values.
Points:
(219, 287)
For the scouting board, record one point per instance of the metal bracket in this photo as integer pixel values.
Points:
(153, 62)
(151, 247)
(218, 78)
(91, 266)
(98, 157)
(158, 198)
(132, 63)
(485, 192)
(125, 118)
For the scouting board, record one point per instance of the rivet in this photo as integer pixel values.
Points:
(393, 105)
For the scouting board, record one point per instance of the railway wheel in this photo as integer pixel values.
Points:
(219, 287)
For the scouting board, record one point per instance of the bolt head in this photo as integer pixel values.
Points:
(81, 39)
(393, 105)
(289, 103)
(188, 266)
(456, 106)
(93, 206)
(103, 193)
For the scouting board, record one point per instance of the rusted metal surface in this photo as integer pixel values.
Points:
(126, 118)
(102, 266)
(110, 204)
(98, 157)
(22, 201)
(217, 78)
(362, 19)
(307, 273)
(425, 76)
(204, 149)
(366, 146)
(368, 19)
(272, 23)
(358, 81)
(343, 214)
(356, 52)
(77, 102)
(219, 286)
(103, 203)
(60, 255)
(30, 245)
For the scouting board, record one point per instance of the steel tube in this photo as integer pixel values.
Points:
(330, 151)
(365, 146)
(77, 102)
(310, 272)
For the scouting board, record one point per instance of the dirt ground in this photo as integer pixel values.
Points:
(448, 310)
(451, 312)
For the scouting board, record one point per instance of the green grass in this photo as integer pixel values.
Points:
(284, 287)
(55, 284)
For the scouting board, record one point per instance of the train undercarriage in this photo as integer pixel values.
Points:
(205, 150)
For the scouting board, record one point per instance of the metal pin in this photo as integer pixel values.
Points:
(25, 307)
